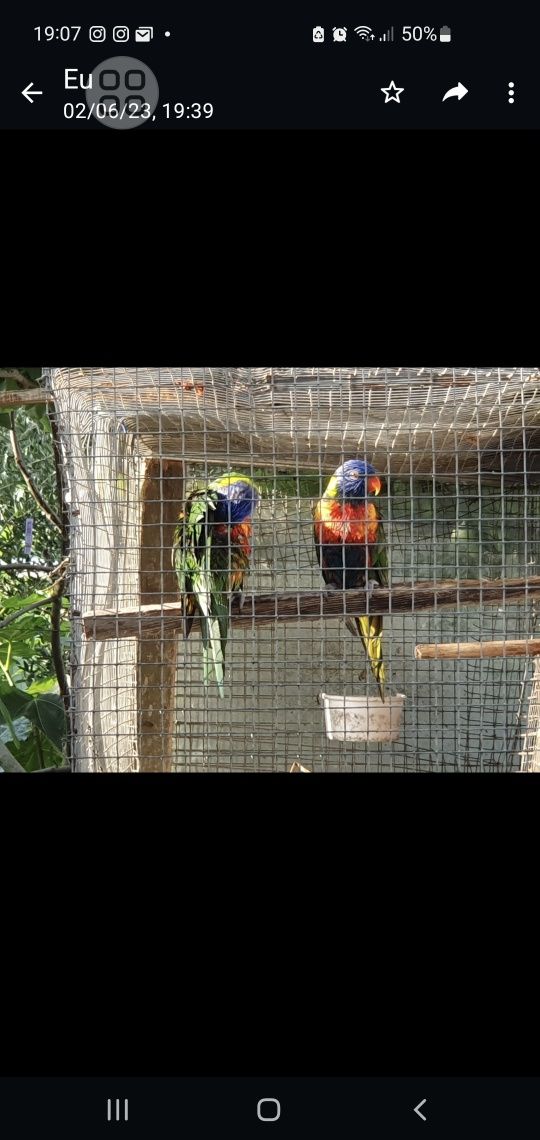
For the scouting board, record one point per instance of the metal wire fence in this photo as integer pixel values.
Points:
(458, 452)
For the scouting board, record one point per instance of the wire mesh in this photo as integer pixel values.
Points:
(458, 450)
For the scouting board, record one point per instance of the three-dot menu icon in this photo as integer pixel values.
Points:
(511, 92)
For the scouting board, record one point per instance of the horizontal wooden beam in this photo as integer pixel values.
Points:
(311, 605)
(19, 399)
(450, 650)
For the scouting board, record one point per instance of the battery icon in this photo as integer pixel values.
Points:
(445, 35)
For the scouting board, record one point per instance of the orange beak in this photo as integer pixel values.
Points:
(374, 485)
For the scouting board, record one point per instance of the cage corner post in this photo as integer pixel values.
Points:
(530, 755)
(161, 497)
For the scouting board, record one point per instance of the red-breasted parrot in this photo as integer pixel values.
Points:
(349, 540)
(211, 552)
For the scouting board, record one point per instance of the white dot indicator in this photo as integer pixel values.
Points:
(167, 33)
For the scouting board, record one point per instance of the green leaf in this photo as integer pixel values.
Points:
(46, 710)
(8, 762)
(5, 715)
(27, 752)
(38, 413)
(50, 685)
(33, 374)
(50, 716)
(8, 604)
(22, 731)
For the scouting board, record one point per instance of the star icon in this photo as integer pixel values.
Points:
(392, 93)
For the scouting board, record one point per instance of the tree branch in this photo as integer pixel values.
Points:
(58, 471)
(24, 610)
(47, 511)
(32, 567)
(56, 645)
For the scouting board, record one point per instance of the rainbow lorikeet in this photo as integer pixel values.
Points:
(349, 540)
(211, 552)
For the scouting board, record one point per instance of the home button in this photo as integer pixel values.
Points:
(269, 1109)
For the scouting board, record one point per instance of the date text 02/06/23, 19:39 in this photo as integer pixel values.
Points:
(123, 92)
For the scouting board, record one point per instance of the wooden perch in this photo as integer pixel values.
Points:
(450, 650)
(165, 619)
(17, 399)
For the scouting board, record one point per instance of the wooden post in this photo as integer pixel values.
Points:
(161, 498)
(530, 755)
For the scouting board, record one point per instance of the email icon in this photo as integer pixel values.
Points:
(143, 35)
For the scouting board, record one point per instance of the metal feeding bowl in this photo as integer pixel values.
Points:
(362, 718)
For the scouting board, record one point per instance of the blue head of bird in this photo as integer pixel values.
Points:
(357, 479)
(237, 499)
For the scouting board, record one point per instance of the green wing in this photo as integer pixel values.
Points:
(211, 606)
(190, 536)
(379, 562)
(198, 583)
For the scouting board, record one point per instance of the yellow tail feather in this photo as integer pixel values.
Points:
(370, 630)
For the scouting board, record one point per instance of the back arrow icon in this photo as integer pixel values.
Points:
(28, 92)
(460, 91)
(418, 1107)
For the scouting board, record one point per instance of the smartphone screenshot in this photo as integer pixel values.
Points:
(221, 566)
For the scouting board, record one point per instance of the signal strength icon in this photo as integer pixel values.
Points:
(388, 36)
(363, 32)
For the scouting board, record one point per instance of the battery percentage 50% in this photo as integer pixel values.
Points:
(418, 33)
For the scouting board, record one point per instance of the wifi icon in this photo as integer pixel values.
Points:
(363, 32)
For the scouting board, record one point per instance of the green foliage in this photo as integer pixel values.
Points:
(305, 485)
(25, 644)
(32, 714)
(16, 502)
(45, 710)
(33, 724)
(18, 729)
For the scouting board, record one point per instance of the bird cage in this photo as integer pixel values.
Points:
(458, 454)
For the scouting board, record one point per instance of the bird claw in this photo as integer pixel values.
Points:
(241, 599)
